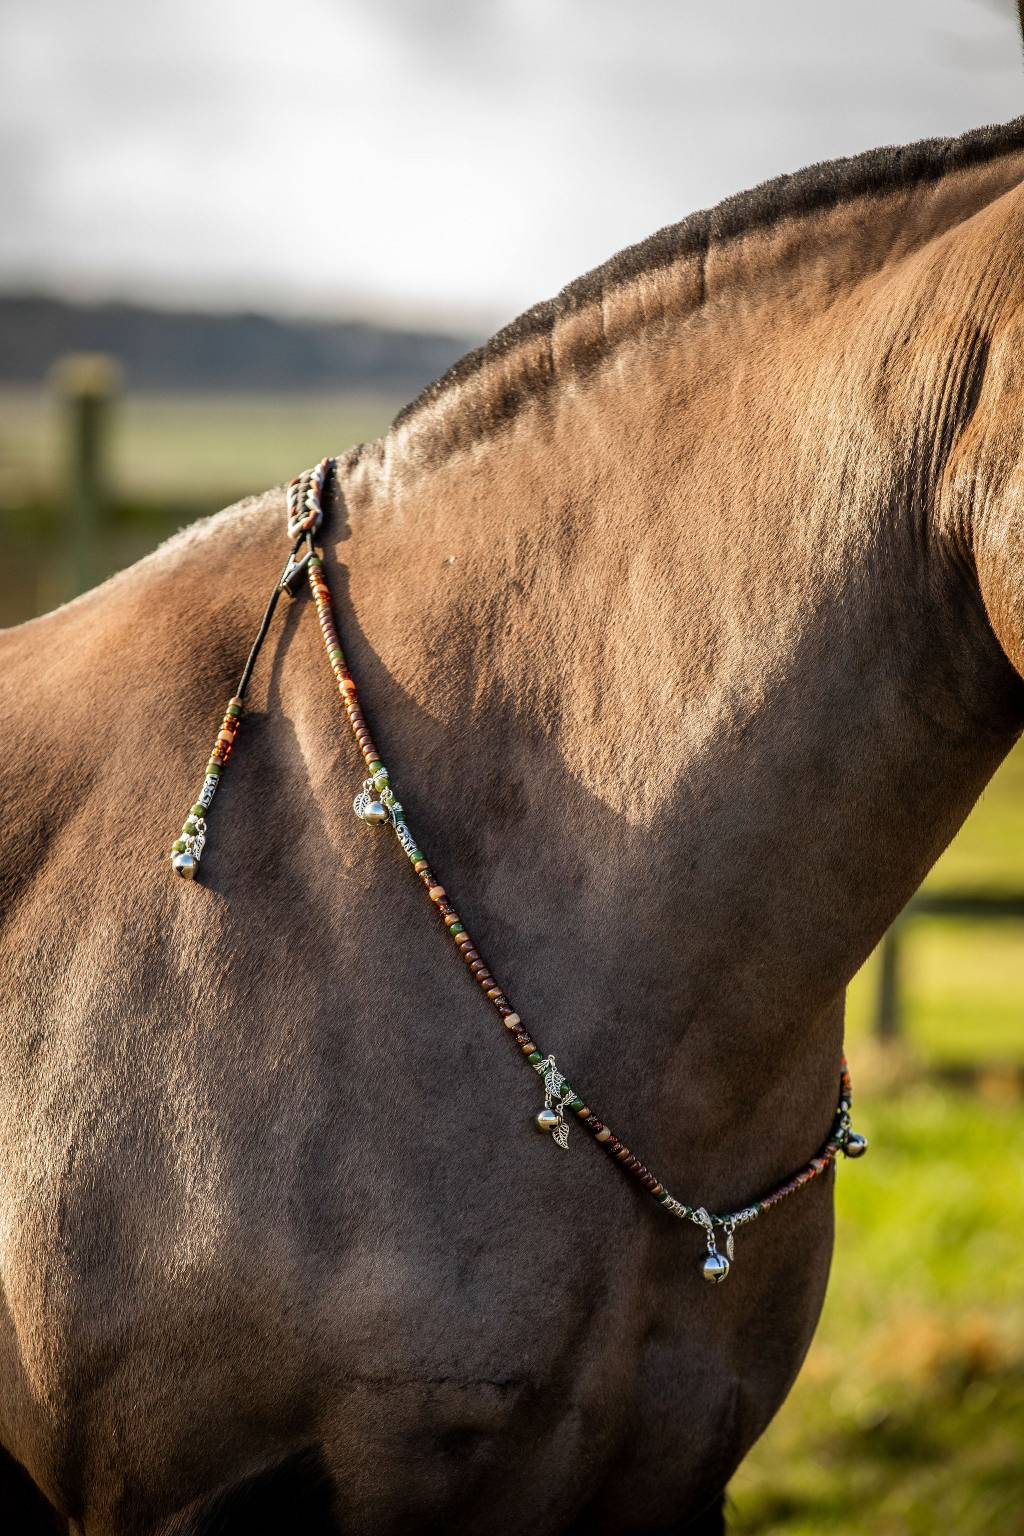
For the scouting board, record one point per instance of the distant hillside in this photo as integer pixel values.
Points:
(190, 350)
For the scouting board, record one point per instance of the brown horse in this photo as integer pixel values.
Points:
(688, 614)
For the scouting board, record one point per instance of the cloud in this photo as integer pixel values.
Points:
(417, 156)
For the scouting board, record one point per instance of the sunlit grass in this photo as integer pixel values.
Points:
(177, 447)
(909, 1414)
(908, 1417)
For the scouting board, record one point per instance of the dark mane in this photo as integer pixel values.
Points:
(817, 187)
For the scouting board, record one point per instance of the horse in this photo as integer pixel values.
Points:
(688, 615)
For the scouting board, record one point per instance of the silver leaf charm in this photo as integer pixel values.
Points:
(195, 841)
(552, 1116)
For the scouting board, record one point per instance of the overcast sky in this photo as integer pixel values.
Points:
(452, 159)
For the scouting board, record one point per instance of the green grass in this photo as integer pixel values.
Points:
(171, 459)
(908, 1418)
(963, 981)
(214, 448)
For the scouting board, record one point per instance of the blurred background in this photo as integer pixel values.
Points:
(239, 237)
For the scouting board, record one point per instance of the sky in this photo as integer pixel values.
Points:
(438, 162)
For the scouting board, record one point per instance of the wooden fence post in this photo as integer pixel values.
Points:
(86, 383)
(889, 1017)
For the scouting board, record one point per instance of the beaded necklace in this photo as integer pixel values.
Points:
(376, 805)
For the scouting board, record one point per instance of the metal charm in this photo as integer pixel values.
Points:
(195, 841)
(557, 1094)
(376, 803)
(855, 1145)
(715, 1266)
(209, 789)
(368, 808)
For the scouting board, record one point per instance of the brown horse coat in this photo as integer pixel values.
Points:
(686, 616)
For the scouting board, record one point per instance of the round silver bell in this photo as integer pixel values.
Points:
(546, 1119)
(184, 865)
(374, 813)
(715, 1268)
(854, 1145)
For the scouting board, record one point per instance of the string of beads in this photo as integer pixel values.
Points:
(377, 804)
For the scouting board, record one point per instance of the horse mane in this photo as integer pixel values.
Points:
(817, 188)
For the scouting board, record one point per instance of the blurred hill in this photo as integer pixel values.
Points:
(184, 350)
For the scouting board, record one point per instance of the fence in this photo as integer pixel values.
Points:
(975, 906)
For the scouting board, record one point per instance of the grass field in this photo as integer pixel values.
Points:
(210, 448)
(908, 1419)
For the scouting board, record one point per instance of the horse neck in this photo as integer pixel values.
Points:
(687, 615)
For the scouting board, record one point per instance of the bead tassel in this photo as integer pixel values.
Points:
(187, 850)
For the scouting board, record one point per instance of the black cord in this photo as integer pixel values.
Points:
(268, 615)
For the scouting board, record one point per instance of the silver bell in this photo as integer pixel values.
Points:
(547, 1119)
(854, 1145)
(374, 813)
(184, 865)
(715, 1268)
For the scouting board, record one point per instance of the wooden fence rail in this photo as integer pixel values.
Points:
(976, 907)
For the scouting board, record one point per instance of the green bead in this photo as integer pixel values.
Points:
(190, 825)
(457, 928)
(315, 563)
(376, 765)
(535, 1058)
(414, 854)
(576, 1104)
(198, 810)
(213, 770)
(235, 709)
(178, 846)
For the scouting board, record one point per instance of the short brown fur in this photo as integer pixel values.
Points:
(689, 619)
